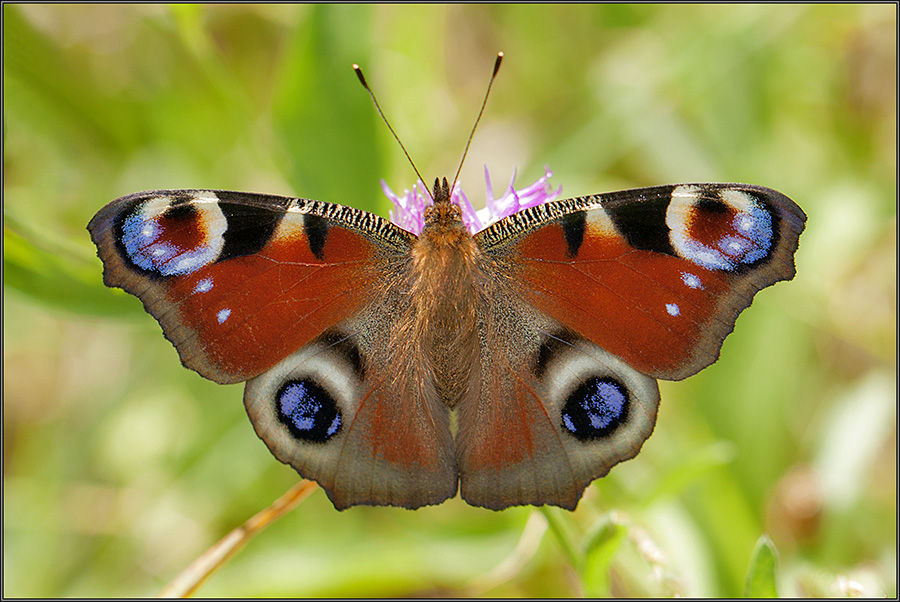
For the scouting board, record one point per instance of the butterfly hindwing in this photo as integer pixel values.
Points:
(238, 281)
(359, 412)
(655, 276)
(552, 413)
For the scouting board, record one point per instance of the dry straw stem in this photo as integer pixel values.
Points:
(191, 578)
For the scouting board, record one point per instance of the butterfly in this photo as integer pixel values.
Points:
(517, 364)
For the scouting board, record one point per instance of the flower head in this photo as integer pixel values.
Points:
(409, 209)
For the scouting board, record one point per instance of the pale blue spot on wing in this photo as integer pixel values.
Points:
(297, 403)
(704, 256)
(747, 239)
(204, 286)
(335, 425)
(691, 281)
(756, 226)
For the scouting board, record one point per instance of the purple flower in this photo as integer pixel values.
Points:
(409, 209)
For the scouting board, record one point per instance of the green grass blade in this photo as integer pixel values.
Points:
(761, 574)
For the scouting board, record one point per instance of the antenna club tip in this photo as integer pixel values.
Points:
(359, 74)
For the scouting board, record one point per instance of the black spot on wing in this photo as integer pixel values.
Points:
(181, 208)
(551, 346)
(250, 227)
(642, 221)
(711, 205)
(573, 225)
(346, 347)
(316, 229)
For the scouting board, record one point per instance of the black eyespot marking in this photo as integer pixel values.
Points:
(179, 210)
(643, 224)
(249, 228)
(596, 409)
(316, 229)
(347, 348)
(551, 345)
(573, 226)
(308, 410)
(708, 205)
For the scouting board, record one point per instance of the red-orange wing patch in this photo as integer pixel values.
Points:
(238, 281)
(655, 276)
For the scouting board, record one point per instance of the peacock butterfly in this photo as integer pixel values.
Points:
(544, 333)
(518, 363)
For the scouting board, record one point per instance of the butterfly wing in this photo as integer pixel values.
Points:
(238, 281)
(552, 413)
(358, 412)
(603, 295)
(655, 276)
(304, 299)
(582, 304)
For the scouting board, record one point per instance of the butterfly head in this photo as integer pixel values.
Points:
(443, 212)
(441, 191)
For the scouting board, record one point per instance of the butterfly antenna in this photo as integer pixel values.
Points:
(477, 119)
(362, 80)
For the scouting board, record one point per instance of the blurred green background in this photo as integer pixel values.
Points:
(120, 466)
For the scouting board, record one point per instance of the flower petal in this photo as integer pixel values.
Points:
(409, 209)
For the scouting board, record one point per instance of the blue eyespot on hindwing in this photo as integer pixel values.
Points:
(309, 411)
(596, 408)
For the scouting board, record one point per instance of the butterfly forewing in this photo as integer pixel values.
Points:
(655, 276)
(238, 281)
